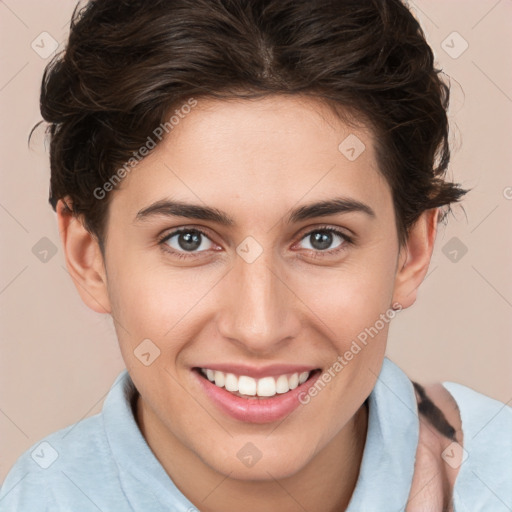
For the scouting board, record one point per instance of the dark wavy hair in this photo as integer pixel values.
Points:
(128, 63)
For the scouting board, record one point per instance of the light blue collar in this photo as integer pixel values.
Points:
(387, 467)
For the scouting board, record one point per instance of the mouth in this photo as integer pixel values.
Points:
(255, 400)
(248, 387)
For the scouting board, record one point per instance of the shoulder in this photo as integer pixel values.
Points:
(439, 429)
(64, 465)
(469, 465)
(485, 475)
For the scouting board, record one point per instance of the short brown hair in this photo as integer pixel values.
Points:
(129, 62)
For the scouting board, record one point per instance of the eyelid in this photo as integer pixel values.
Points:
(307, 231)
(162, 239)
(168, 233)
(347, 240)
(345, 233)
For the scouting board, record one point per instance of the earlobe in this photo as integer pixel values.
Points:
(414, 258)
(84, 259)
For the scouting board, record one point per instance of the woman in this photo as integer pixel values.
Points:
(251, 189)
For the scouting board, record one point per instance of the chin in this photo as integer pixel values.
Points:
(251, 464)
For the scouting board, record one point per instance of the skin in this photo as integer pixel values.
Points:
(255, 160)
(434, 480)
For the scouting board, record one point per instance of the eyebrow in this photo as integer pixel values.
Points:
(168, 208)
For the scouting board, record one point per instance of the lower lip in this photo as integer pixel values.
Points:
(256, 410)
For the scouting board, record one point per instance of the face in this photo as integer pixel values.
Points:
(266, 288)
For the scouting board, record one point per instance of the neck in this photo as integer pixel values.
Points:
(325, 483)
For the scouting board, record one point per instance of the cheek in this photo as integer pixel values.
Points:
(153, 299)
(349, 299)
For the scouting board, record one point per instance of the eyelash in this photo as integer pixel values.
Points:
(347, 240)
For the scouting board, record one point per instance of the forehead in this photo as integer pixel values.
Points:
(258, 153)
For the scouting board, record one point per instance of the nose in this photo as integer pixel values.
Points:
(258, 309)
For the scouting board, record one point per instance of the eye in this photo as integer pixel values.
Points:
(186, 240)
(326, 240)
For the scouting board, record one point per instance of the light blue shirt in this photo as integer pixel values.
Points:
(103, 463)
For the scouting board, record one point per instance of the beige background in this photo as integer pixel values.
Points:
(58, 359)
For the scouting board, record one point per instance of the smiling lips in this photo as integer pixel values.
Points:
(256, 395)
(246, 386)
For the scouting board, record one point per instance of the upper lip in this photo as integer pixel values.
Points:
(259, 371)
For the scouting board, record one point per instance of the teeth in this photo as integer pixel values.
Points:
(294, 381)
(244, 385)
(231, 383)
(282, 385)
(219, 379)
(266, 386)
(303, 377)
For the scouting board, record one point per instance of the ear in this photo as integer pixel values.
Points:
(414, 258)
(84, 259)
